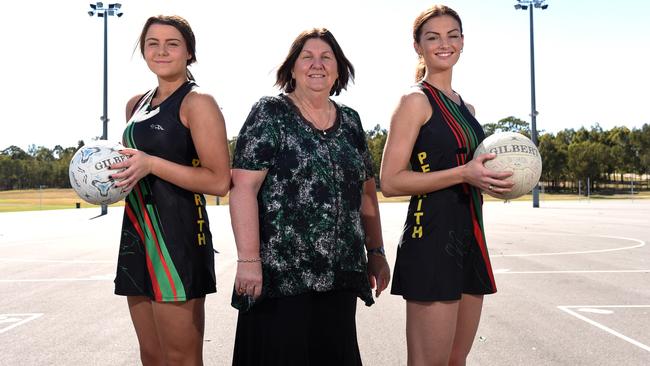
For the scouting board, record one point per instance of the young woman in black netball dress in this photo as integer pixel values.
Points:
(176, 143)
(442, 268)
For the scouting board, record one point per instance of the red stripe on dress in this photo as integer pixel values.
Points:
(459, 135)
(154, 280)
(447, 116)
(481, 244)
(147, 220)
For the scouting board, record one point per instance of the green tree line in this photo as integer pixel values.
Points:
(36, 167)
(613, 156)
(604, 157)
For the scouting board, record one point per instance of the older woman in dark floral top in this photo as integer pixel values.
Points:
(303, 208)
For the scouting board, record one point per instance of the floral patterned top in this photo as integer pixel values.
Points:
(311, 236)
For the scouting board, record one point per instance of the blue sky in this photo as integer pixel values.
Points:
(592, 60)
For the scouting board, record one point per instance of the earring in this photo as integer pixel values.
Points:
(292, 84)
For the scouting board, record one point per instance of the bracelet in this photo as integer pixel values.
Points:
(253, 260)
(377, 251)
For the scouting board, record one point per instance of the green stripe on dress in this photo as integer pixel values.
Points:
(173, 272)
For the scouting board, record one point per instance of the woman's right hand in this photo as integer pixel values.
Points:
(248, 279)
(476, 174)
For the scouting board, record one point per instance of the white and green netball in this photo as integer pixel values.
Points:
(516, 153)
(90, 176)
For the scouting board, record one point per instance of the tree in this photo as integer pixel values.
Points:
(554, 159)
(508, 124)
(16, 153)
(585, 160)
(231, 148)
(376, 139)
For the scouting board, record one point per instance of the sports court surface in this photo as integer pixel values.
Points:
(573, 279)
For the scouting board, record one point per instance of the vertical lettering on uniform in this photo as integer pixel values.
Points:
(201, 238)
(198, 202)
(421, 157)
(417, 217)
(417, 232)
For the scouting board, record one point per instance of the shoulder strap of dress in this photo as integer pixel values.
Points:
(143, 101)
(428, 91)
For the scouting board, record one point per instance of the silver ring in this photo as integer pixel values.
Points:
(490, 187)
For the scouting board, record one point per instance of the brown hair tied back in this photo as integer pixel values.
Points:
(432, 12)
(182, 26)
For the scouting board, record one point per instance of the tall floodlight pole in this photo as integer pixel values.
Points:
(102, 12)
(529, 5)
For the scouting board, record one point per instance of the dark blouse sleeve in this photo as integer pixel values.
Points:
(259, 138)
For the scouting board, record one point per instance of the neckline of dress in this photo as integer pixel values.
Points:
(325, 133)
(150, 107)
(462, 103)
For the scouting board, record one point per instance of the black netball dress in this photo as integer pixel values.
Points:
(166, 245)
(442, 252)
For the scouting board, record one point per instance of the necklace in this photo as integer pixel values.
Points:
(303, 107)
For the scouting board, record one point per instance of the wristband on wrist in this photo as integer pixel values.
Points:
(377, 251)
(252, 260)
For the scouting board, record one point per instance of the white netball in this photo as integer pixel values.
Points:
(515, 153)
(89, 173)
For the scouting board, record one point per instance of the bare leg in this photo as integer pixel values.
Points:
(469, 315)
(145, 328)
(430, 330)
(180, 329)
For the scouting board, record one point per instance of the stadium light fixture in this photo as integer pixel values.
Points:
(525, 5)
(104, 12)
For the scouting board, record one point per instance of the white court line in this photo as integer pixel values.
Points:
(109, 277)
(606, 329)
(30, 317)
(507, 271)
(221, 268)
(74, 261)
(639, 245)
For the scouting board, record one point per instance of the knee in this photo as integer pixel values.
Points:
(174, 357)
(457, 359)
(151, 357)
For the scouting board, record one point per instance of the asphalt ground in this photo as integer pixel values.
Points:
(573, 280)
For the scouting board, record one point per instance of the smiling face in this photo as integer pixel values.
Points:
(315, 68)
(165, 51)
(441, 41)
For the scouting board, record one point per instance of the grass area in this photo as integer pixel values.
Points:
(56, 199)
(542, 197)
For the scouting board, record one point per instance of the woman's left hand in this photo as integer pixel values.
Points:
(137, 166)
(378, 273)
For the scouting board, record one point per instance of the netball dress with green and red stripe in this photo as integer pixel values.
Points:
(166, 246)
(442, 252)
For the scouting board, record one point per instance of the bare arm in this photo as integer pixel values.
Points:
(370, 215)
(205, 121)
(397, 179)
(378, 269)
(245, 225)
(130, 105)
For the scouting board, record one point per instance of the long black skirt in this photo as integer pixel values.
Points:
(310, 329)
